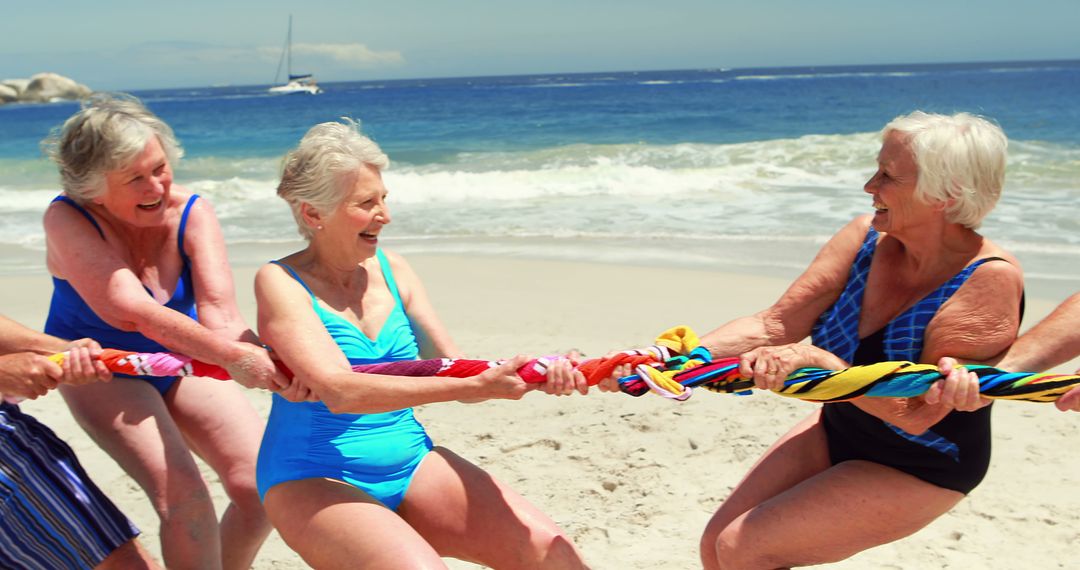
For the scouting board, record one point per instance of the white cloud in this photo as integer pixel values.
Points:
(358, 55)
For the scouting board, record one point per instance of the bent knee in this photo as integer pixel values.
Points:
(553, 549)
(243, 492)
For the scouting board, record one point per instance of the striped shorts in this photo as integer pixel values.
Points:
(52, 516)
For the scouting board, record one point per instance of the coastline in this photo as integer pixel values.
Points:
(633, 480)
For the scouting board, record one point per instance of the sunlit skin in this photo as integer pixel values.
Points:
(139, 193)
(896, 208)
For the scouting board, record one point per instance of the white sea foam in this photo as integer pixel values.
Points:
(770, 202)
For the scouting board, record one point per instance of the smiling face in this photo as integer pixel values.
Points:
(357, 221)
(896, 205)
(138, 194)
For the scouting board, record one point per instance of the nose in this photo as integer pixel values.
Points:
(382, 213)
(871, 184)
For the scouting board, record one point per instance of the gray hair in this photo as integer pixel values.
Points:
(313, 172)
(106, 134)
(960, 157)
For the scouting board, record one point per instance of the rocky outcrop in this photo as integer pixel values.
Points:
(8, 94)
(42, 88)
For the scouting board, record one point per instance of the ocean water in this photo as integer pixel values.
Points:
(731, 169)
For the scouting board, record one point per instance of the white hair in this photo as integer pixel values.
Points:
(961, 159)
(110, 131)
(314, 171)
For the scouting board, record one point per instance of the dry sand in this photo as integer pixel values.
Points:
(633, 481)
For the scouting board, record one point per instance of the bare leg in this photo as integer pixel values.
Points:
(220, 425)
(794, 509)
(465, 513)
(129, 556)
(129, 420)
(334, 525)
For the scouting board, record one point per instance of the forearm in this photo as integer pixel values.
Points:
(742, 335)
(181, 334)
(1053, 341)
(912, 415)
(225, 320)
(15, 337)
(355, 393)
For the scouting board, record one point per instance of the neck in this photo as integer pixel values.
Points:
(328, 264)
(930, 250)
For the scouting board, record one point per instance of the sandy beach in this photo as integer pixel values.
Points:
(633, 481)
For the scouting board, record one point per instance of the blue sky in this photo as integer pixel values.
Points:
(128, 44)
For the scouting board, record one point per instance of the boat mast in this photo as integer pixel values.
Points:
(286, 53)
(288, 42)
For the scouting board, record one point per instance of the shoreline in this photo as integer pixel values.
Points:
(633, 480)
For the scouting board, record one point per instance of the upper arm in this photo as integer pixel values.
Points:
(432, 335)
(291, 328)
(981, 319)
(791, 318)
(78, 254)
(813, 292)
(215, 293)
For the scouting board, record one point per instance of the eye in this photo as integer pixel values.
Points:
(159, 169)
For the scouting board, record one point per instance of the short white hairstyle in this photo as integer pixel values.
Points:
(314, 172)
(107, 133)
(961, 158)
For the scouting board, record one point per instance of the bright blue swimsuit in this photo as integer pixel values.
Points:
(377, 453)
(70, 317)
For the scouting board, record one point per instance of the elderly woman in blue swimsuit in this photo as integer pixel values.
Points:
(914, 281)
(139, 263)
(353, 479)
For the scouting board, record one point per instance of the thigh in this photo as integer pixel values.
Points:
(332, 524)
(798, 455)
(218, 423)
(466, 513)
(129, 420)
(844, 510)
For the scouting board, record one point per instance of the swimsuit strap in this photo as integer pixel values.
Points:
(837, 329)
(183, 226)
(905, 333)
(388, 274)
(296, 276)
(81, 210)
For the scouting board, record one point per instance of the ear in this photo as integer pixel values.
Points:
(312, 218)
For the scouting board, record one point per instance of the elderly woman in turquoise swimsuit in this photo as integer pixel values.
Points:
(914, 281)
(353, 479)
(132, 257)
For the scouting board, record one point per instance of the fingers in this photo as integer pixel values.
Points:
(1070, 401)
(946, 365)
(609, 384)
(563, 379)
(959, 389)
(933, 394)
(766, 366)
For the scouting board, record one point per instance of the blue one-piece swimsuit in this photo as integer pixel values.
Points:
(70, 317)
(377, 453)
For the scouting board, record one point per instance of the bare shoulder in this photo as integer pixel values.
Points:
(403, 271)
(983, 317)
(201, 211)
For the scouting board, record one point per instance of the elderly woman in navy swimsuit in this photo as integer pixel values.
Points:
(353, 480)
(133, 256)
(914, 281)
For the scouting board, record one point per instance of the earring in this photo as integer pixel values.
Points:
(318, 227)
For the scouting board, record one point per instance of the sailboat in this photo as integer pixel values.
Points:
(304, 83)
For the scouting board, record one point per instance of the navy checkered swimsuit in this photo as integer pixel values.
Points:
(955, 452)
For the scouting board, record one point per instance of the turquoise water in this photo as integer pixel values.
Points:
(730, 169)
